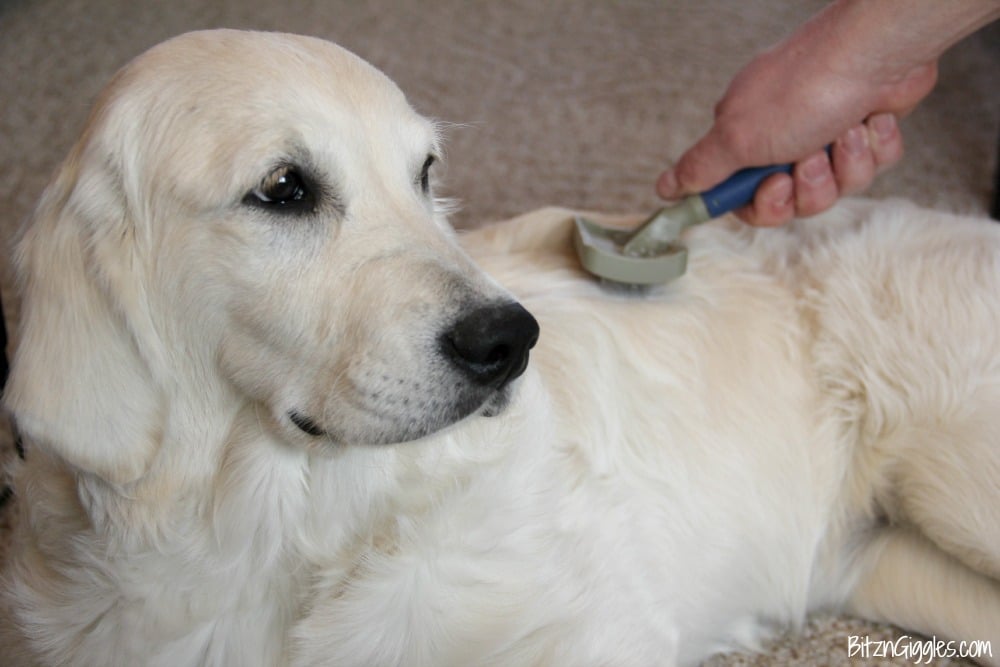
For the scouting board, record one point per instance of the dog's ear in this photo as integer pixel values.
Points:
(80, 385)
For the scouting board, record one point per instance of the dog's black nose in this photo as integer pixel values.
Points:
(491, 343)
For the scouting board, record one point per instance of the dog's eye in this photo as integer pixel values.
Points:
(425, 178)
(284, 188)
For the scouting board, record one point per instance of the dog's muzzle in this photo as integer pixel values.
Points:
(490, 345)
(487, 348)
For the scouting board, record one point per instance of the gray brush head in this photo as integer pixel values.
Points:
(646, 255)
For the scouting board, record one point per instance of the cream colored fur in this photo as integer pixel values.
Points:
(810, 418)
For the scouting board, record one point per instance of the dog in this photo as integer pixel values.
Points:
(277, 412)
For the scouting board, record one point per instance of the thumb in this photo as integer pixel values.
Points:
(705, 164)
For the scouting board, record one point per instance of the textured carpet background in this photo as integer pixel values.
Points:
(573, 103)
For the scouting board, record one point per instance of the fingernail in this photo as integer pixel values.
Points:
(884, 125)
(855, 141)
(816, 168)
(782, 195)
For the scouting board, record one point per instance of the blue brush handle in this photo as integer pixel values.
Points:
(738, 190)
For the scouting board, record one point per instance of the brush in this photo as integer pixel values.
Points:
(648, 254)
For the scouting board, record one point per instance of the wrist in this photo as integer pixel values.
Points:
(892, 37)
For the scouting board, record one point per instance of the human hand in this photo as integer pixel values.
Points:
(816, 181)
(835, 81)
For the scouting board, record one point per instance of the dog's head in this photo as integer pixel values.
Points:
(253, 211)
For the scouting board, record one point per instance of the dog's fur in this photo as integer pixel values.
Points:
(216, 394)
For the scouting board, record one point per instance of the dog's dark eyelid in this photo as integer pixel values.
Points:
(425, 173)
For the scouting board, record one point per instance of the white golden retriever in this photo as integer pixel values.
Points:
(242, 304)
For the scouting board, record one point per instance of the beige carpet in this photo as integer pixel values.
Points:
(572, 102)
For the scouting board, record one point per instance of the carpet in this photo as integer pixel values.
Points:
(575, 103)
